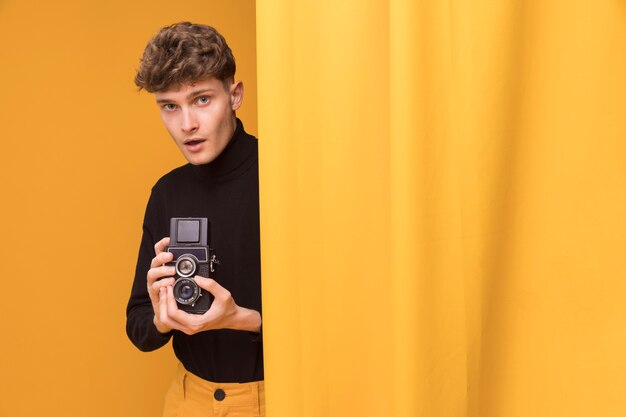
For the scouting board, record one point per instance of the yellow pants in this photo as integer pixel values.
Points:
(192, 396)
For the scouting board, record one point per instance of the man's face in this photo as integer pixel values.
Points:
(200, 117)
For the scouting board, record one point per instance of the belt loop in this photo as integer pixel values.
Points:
(255, 396)
(261, 397)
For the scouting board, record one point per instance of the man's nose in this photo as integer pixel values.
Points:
(189, 122)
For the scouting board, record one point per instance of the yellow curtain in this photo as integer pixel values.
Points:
(443, 202)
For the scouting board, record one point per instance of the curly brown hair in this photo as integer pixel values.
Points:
(184, 52)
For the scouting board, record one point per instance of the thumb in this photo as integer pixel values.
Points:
(209, 284)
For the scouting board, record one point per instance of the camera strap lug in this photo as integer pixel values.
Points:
(213, 261)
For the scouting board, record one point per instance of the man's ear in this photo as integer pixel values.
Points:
(236, 95)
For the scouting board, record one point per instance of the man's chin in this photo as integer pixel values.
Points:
(199, 159)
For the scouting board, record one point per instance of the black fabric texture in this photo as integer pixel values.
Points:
(227, 192)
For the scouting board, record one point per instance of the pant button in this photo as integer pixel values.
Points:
(219, 394)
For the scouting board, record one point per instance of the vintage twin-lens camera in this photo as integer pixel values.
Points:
(192, 256)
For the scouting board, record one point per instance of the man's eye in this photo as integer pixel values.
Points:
(203, 100)
(169, 107)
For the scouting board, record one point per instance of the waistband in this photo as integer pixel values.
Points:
(225, 394)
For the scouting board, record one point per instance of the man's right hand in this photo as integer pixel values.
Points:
(160, 276)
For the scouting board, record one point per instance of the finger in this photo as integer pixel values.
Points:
(161, 258)
(171, 301)
(185, 319)
(164, 315)
(213, 287)
(161, 245)
(156, 286)
(154, 274)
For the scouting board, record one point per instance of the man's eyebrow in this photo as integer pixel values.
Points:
(189, 96)
(204, 90)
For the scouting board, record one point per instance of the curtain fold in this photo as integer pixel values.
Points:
(443, 199)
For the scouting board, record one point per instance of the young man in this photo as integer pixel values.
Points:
(190, 69)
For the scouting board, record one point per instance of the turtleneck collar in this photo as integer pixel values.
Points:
(232, 161)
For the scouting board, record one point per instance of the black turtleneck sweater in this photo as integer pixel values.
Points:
(227, 192)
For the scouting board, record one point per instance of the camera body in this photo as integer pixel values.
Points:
(192, 256)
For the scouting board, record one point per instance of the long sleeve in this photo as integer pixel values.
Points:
(139, 313)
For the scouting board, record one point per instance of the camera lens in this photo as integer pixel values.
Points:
(186, 266)
(186, 291)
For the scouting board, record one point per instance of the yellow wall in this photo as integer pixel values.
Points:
(80, 150)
